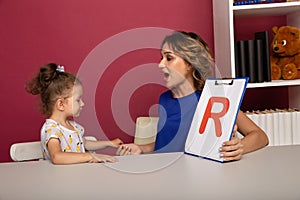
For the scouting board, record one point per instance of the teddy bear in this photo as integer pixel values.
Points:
(285, 53)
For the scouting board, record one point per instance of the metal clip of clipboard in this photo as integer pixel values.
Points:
(226, 81)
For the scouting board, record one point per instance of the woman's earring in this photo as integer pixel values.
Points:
(194, 75)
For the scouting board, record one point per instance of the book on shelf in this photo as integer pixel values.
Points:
(252, 58)
(260, 60)
(237, 58)
(247, 60)
(241, 59)
(281, 125)
(264, 36)
(250, 2)
(251, 66)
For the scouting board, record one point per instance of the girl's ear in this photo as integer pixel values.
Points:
(60, 104)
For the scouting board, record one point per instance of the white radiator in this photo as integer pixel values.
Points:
(281, 126)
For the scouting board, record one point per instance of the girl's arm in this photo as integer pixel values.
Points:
(59, 157)
(95, 145)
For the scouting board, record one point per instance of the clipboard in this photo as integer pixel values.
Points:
(215, 117)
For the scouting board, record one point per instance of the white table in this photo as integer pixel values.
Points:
(271, 173)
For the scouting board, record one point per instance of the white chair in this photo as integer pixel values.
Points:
(31, 150)
(145, 130)
(92, 138)
(26, 151)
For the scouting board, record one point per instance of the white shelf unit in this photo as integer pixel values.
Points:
(275, 83)
(224, 14)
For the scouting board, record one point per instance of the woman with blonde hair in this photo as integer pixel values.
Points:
(186, 63)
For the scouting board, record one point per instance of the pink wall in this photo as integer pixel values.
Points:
(70, 33)
(36, 32)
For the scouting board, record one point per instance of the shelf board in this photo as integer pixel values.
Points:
(270, 9)
(274, 83)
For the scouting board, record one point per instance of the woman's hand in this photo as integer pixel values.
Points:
(128, 149)
(102, 158)
(232, 150)
(116, 142)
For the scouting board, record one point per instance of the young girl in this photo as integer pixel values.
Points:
(62, 138)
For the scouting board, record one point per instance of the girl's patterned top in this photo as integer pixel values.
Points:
(70, 140)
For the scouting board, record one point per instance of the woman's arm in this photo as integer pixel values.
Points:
(147, 148)
(254, 139)
(127, 149)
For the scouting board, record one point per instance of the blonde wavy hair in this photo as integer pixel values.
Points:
(195, 51)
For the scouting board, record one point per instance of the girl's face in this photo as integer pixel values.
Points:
(177, 72)
(75, 102)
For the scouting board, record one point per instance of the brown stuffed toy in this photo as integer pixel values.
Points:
(285, 53)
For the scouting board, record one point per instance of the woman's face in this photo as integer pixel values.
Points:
(176, 71)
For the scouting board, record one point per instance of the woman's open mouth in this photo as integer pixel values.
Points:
(166, 76)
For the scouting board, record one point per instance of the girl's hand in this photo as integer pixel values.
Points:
(128, 149)
(116, 142)
(102, 158)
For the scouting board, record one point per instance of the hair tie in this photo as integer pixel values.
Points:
(60, 68)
